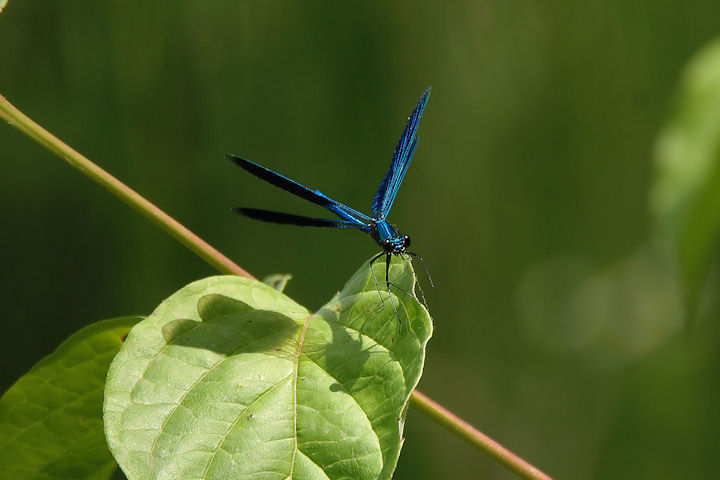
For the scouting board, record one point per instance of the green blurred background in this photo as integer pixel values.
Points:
(559, 330)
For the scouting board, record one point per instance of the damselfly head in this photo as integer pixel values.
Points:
(396, 245)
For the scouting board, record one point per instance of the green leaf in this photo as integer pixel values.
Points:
(686, 193)
(278, 281)
(3, 3)
(51, 419)
(230, 378)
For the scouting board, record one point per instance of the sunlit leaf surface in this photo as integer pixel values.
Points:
(230, 378)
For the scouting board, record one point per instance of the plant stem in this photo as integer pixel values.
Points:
(476, 438)
(202, 249)
(196, 244)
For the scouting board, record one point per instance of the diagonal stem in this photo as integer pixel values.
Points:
(196, 244)
(476, 438)
(199, 247)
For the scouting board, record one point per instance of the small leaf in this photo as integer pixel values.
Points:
(686, 193)
(262, 388)
(278, 281)
(51, 419)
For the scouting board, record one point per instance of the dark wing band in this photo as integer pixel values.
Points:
(402, 156)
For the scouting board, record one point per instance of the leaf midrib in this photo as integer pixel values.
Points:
(197, 381)
(301, 342)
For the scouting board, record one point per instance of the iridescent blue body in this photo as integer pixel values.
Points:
(387, 237)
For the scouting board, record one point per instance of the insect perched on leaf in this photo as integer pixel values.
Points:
(385, 235)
